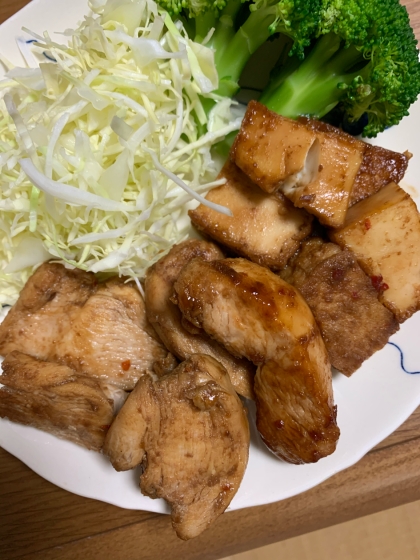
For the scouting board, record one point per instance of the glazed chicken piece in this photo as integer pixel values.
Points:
(44, 310)
(383, 231)
(274, 151)
(353, 324)
(318, 164)
(378, 167)
(190, 430)
(327, 197)
(54, 398)
(96, 329)
(166, 317)
(256, 314)
(110, 337)
(266, 228)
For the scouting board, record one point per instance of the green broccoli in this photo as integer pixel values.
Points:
(365, 60)
(358, 55)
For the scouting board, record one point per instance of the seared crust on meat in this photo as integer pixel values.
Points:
(166, 318)
(271, 149)
(56, 399)
(379, 167)
(191, 431)
(256, 314)
(266, 228)
(353, 323)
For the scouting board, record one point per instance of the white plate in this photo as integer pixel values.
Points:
(371, 404)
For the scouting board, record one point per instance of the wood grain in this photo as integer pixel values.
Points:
(40, 521)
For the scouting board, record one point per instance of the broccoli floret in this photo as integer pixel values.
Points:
(356, 55)
(365, 60)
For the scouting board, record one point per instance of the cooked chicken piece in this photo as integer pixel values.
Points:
(110, 337)
(256, 314)
(45, 309)
(56, 399)
(327, 196)
(353, 324)
(383, 231)
(378, 168)
(191, 432)
(271, 149)
(266, 228)
(96, 329)
(167, 318)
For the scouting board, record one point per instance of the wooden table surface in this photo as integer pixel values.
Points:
(39, 520)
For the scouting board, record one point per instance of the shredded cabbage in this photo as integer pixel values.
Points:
(100, 151)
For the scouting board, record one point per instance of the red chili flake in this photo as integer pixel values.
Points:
(378, 283)
(279, 424)
(368, 224)
(105, 427)
(355, 295)
(126, 365)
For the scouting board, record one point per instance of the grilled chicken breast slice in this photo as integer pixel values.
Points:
(96, 329)
(254, 313)
(190, 430)
(110, 337)
(266, 228)
(44, 310)
(379, 166)
(166, 317)
(54, 398)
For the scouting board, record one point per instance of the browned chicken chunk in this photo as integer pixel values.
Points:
(378, 167)
(166, 317)
(266, 228)
(327, 196)
(96, 329)
(256, 314)
(191, 431)
(54, 398)
(271, 149)
(353, 324)
(383, 231)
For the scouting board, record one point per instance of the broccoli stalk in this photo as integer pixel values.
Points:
(315, 86)
(358, 55)
(365, 61)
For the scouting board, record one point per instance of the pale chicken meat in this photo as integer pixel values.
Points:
(383, 231)
(99, 330)
(256, 314)
(166, 317)
(44, 310)
(266, 228)
(56, 399)
(190, 431)
(110, 337)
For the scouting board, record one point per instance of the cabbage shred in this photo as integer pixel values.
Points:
(99, 142)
